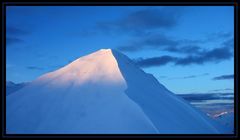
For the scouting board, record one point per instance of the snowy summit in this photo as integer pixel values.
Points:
(102, 93)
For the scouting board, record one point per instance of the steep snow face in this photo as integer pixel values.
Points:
(103, 92)
(168, 112)
(86, 96)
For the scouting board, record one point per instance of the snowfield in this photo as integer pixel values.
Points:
(102, 93)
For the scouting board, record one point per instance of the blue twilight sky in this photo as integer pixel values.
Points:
(188, 49)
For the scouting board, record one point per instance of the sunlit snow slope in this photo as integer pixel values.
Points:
(104, 92)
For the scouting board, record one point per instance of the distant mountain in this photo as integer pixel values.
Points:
(11, 87)
(215, 106)
(102, 93)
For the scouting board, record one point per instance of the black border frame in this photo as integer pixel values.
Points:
(236, 107)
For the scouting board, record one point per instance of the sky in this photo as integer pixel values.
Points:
(189, 49)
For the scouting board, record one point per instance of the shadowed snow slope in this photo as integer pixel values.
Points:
(12, 87)
(103, 92)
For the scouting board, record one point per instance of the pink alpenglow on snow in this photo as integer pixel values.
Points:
(102, 93)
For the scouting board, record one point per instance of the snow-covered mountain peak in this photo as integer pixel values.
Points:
(105, 50)
(99, 67)
(103, 92)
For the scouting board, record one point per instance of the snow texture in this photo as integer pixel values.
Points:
(102, 93)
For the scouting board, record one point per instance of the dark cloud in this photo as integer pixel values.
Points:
(186, 49)
(161, 42)
(34, 68)
(12, 40)
(215, 55)
(143, 20)
(155, 61)
(201, 97)
(224, 77)
(190, 60)
(15, 31)
(150, 19)
(225, 89)
(156, 41)
(139, 22)
(166, 43)
(15, 35)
